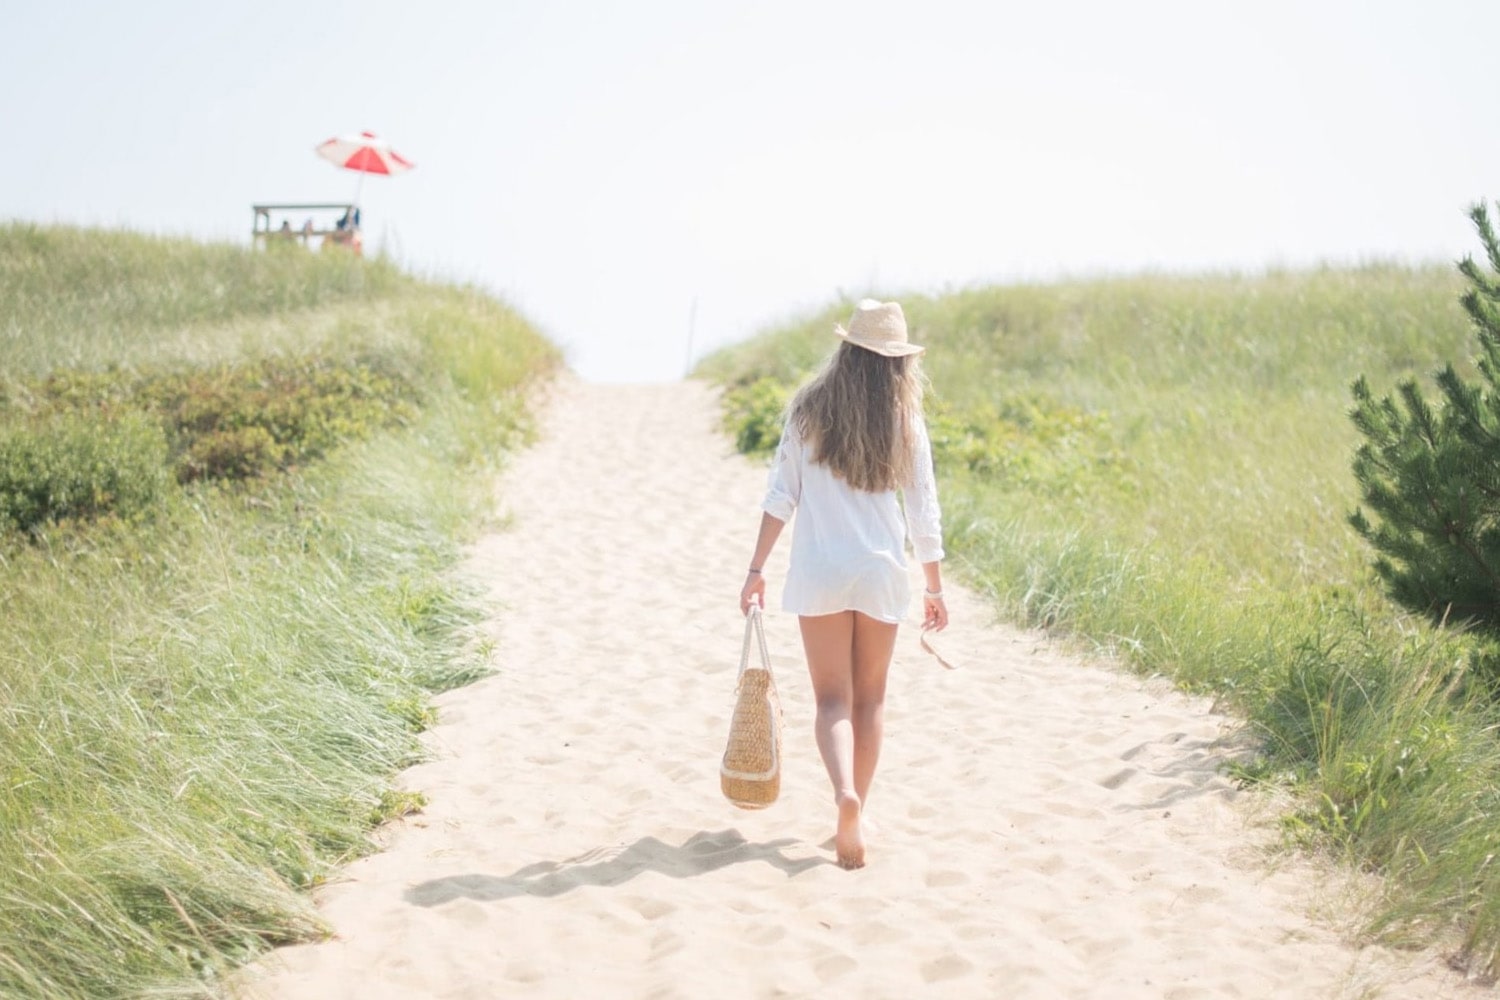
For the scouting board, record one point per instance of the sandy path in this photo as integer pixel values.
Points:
(1046, 828)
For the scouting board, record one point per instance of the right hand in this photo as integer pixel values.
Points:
(753, 592)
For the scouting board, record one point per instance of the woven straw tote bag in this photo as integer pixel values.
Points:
(750, 772)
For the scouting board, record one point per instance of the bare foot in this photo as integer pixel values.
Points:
(849, 842)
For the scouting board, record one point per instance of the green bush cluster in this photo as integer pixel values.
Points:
(240, 420)
(232, 422)
(1028, 440)
(753, 414)
(85, 444)
(74, 467)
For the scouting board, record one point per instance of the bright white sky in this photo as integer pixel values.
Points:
(604, 166)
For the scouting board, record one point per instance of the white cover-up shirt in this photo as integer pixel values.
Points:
(848, 545)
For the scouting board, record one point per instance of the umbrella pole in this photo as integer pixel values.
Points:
(356, 241)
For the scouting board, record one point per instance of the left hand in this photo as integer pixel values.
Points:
(934, 614)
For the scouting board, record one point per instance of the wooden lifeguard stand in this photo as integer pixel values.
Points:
(330, 234)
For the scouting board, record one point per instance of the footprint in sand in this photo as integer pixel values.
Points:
(943, 879)
(948, 967)
(869, 933)
(652, 909)
(833, 967)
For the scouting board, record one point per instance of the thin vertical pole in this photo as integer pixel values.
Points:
(692, 324)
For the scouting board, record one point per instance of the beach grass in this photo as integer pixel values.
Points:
(1158, 467)
(204, 699)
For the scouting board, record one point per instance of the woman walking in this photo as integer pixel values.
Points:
(854, 438)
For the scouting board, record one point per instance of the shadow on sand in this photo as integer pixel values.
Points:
(607, 866)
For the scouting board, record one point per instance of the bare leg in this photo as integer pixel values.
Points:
(874, 643)
(829, 643)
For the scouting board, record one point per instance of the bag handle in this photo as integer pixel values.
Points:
(755, 627)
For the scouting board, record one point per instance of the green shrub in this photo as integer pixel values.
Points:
(236, 453)
(754, 412)
(237, 421)
(1024, 439)
(82, 444)
(304, 405)
(1431, 477)
(73, 467)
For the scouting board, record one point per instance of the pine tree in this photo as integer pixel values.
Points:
(1431, 475)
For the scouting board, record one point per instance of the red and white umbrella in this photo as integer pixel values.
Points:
(365, 153)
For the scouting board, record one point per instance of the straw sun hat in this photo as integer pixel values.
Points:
(879, 327)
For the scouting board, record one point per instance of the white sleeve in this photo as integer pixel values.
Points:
(784, 486)
(924, 518)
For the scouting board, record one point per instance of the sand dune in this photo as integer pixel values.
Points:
(1043, 827)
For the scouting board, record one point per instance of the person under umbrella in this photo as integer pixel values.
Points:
(364, 153)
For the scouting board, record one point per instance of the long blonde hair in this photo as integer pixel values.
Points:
(860, 414)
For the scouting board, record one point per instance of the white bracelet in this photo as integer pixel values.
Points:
(933, 595)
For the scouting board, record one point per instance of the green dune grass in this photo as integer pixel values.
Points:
(1159, 466)
(203, 701)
